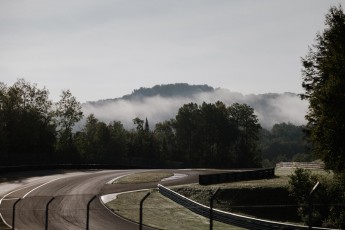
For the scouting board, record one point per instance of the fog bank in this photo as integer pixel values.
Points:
(270, 108)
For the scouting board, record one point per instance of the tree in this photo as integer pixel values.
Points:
(3, 134)
(118, 140)
(27, 129)
(247, 123)
(324, 83)
(214, 135)
(139, 123)
(101, 143)
(284, 141)
(147, 127)
(164, 133)
(85, 140)
(329, 197)
(187, 133)
(143, 143)
(219, 134)
(68, 112)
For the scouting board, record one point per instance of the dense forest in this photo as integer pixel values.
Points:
(284, 142)
(34, 130)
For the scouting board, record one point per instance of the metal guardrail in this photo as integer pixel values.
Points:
(227, 217)
(236, 176)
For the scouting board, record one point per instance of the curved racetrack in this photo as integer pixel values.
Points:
(71, 192)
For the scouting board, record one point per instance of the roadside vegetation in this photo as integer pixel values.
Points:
(327, 200)
(160, 212)
(256, 198)
(36, 131)
(323, 82)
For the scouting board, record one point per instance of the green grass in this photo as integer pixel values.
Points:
(160, 212)
(144, 177)
(257, 198)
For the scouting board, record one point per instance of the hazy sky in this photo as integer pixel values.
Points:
(106, 48)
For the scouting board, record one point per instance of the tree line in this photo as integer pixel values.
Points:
(34, 130)
(285, 142)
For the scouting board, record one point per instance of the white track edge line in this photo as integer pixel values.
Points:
(3, 198)
(121, 217)
(41, 186)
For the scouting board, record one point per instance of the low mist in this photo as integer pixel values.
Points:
(270, 108)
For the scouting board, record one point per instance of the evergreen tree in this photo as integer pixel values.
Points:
(324, 85)
(147, 127)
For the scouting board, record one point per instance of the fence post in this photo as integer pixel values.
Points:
(14, 212)
(47, 206)
(87, 212)
(141, 211)
(211, 208)
(310, 204)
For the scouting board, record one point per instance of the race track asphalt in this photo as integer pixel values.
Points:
(69, 193)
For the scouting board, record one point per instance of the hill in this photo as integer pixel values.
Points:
(165, 91)
(162, 102)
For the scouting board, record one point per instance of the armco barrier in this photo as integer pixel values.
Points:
(227, 217)
(235, 176)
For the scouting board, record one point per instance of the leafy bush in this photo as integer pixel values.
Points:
(326, 203)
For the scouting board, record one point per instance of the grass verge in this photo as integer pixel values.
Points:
(266, 198)
(144, 177)
(258, 198)
(161, 213)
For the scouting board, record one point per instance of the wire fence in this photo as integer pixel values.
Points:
(41, 212)
(162, 210)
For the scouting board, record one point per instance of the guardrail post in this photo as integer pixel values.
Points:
(47, 206)
(88, 212)
(211, 208)
(310, 203)
(141, 211)
(14, 212)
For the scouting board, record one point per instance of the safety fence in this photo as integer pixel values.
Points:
(227, 217)
(86, 212)
(43, 212)
(218, 178)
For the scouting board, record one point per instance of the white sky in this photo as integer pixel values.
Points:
(103, 49)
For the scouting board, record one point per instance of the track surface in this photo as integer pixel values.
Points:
(71, 191)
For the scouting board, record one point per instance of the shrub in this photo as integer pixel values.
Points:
(327, 200)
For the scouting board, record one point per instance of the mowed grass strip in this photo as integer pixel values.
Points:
(201, 193)
(144, 177)
(281, 180)
(160, 212)
(265, 198)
